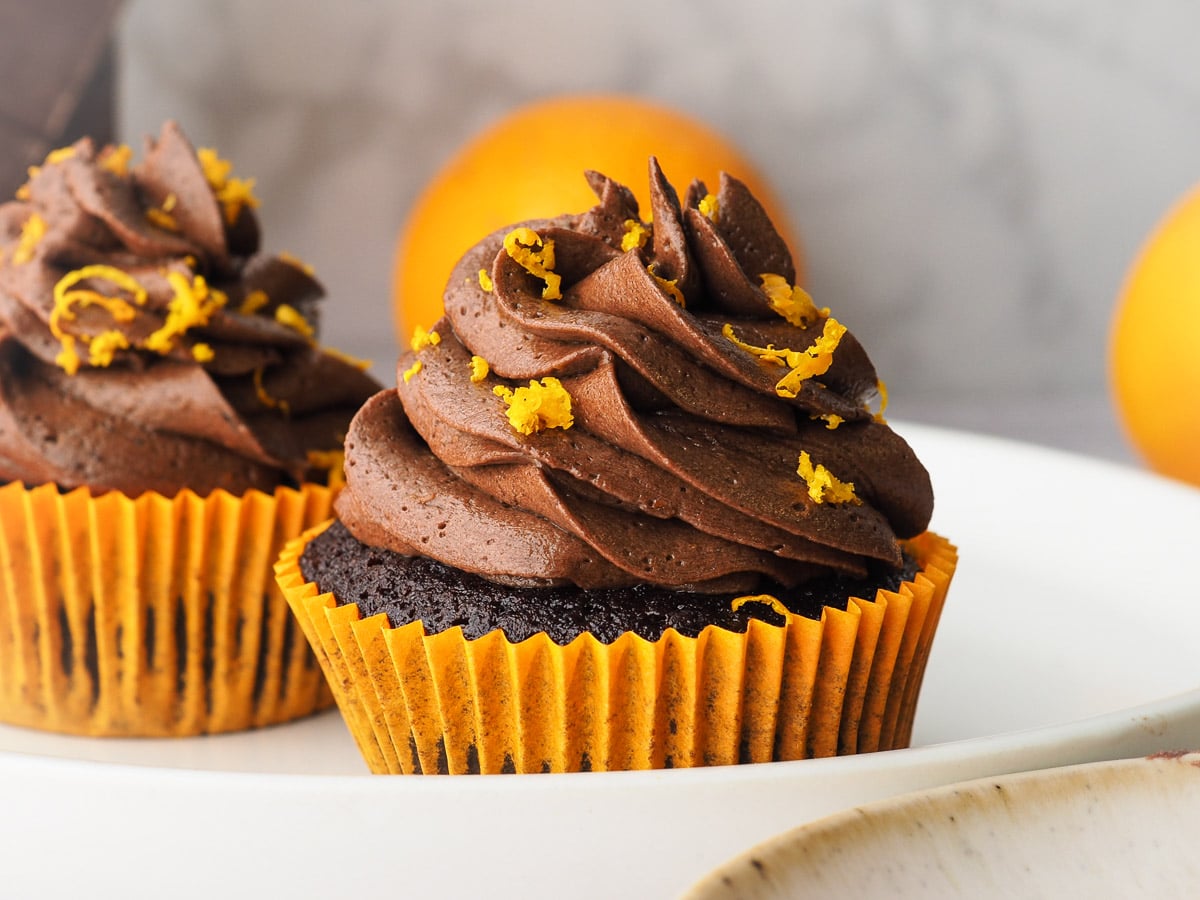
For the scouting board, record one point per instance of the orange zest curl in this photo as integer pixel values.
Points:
(544, 404)
(419, 341)
(266, 399)
(485, 281)
(831, 420)
(193, 305)
(883, 400)
(520, 243)
(823, 485)
(709, 208)
(766, 599)
(161, 218)
(670, 286)
(803, 364)
(791, 301)
(67, 296)
(216, 169)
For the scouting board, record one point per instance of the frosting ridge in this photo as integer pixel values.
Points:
(146, 343)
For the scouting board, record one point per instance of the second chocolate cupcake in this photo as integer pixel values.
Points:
(167, 422)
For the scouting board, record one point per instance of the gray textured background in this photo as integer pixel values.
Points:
(970, 179)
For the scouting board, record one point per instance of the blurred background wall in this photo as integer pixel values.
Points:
(969, 178)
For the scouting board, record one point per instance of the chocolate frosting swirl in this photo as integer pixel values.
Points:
(130, 355)
(680, 467)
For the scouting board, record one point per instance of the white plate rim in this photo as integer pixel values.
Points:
(811, 788)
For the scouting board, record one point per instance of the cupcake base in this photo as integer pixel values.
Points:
(153, 617)
(846, 682)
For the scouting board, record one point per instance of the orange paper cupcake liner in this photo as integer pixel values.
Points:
(419, 703)
(151, 617)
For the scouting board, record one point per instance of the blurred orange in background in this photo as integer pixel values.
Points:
(1154, 356)
(530, 164)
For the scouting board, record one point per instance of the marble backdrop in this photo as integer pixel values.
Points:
(970, 179)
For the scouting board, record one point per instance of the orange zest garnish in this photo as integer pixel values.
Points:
(791, 301)
(290, 317)
(823, 485)
(32, 233)
(116, 159)
(193, 305)
(766, 599)
(803, 364)
(67, 296)
(635, 235)
(883, 399)
(422, 339)
(161, 216)
(670, 286)
(479, 369)
(232, 193)
(544, 404)
(253, 302)
(537, 258)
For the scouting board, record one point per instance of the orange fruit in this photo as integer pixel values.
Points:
(1154, 354)
(530, 164)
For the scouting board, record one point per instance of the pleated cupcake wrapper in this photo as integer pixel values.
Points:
(419, 703)
(151, 617)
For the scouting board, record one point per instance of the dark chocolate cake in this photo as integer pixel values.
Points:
(409, 588)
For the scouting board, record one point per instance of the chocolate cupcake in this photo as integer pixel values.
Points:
(633, 504)
(167, 422)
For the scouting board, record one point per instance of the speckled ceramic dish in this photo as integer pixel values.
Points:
(1112, 829)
